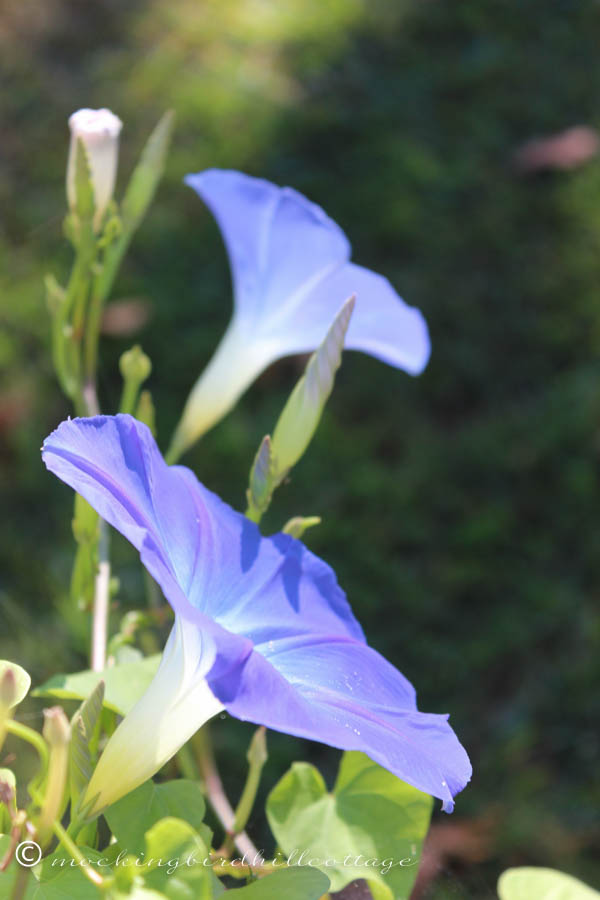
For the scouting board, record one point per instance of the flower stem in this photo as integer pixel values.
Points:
(236, 869)
(215, 792)
(36, 740)
(257, 757)
(101, 601)
(72, 848)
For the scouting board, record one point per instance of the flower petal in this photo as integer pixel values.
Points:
(175, 705)
(279, 243)
(382, 324)
(277, 641)
(343, 693)
(291, 273)
(211, 562)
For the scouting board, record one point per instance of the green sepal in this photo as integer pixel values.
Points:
(84, 189)
(298, 525)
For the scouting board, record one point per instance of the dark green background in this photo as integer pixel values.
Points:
(461, 508)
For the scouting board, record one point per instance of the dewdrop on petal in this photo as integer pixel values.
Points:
(99, 130)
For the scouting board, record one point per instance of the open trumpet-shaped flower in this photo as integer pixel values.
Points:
(291, 274)
(262, 627)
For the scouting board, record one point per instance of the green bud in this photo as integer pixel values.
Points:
(56, 731)
(261, 482)
(14, 684)
(93, 159)
(301, 414)
(135, 367)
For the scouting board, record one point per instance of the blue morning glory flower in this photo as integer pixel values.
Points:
(291, 274)
(262, 628)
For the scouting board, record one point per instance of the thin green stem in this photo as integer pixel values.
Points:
(215, 792)
(253, 513)
(129, 397)
(222, 867)
(101, 288)
(257, 756)
(74, 851)
(66, 334)
(36, 740)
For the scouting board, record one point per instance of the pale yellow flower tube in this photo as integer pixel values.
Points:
(176, 704)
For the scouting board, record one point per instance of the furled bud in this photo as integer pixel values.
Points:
(57, 730)
(135, 368)
(98, 130)
(57, 733)
(135, 365)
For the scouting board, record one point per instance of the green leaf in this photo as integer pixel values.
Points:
(146, 175)
(83, 727)
(530, 883)
(371, 826)
(131, 817)
(135, 367)
(302, 412)
(123, 685)
(178, 862)
(290, 883)
(60, 878)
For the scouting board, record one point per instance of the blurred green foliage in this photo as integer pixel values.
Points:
(460, 509)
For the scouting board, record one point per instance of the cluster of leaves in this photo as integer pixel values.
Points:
(371, 826)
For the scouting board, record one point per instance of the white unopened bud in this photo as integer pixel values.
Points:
(99, 130)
